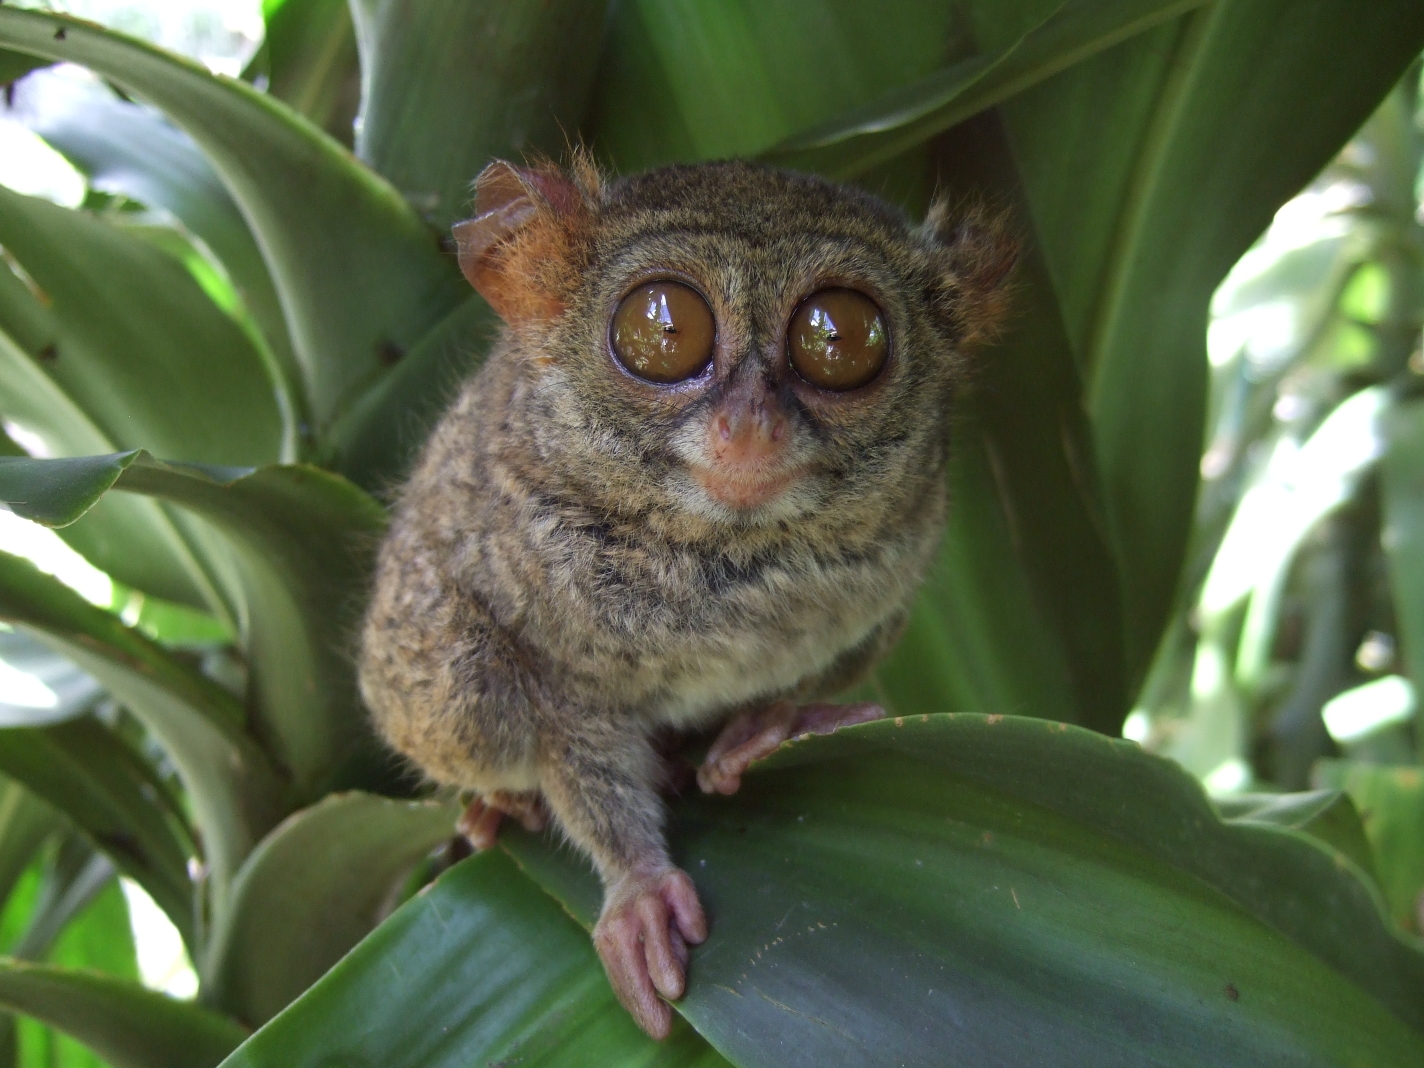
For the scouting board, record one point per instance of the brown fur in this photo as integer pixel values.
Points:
(551, 594)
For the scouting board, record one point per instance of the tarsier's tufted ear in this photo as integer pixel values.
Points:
(520, 249)
(980, 250)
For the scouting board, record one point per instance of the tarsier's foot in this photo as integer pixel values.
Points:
(753, 735)
(648, 920)
(482, 816)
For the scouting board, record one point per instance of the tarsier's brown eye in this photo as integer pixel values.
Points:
(838, 339)
(663, 332)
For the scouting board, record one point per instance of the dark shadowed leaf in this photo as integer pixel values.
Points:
(25, 822)
(881, 129)
(448, 85)
(950, 889)
(481, 968)
(128, 1026)
(310, 891)
(1403, 485)
(1325, 814)
(356, 269)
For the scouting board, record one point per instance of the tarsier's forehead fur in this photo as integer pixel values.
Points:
(755, 242)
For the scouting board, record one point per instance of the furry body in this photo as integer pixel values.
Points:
(557, 586)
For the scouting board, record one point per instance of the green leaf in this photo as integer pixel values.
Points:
(131, 539)
(234, 792)
(74, 692)
(15, 65)
(25, 823)
(126, 1025)
(374, 443)
(127, 149)
(308, 56)
(79, 913)
(356, 269)
(310, 891)
(481, 968)
(1150, 169)
(86, 772)
(136, 342)
(1325, 814)
(448, 85)
(969, 889)
(299, 539)
(1075, 30)
(1391, 804)
(1403, 537)
(682, 81)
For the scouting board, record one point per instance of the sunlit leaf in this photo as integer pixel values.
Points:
(356, 270)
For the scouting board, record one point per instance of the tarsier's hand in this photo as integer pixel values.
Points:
(649, 918)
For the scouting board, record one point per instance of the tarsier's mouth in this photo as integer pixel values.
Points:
(746, 489)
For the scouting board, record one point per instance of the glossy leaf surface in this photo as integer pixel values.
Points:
(480, 968)
(355, 269)
(310, 891)
(128, 1026)
(963, 888)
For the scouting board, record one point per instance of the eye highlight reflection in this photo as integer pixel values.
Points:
(663, 332)
(837, 340)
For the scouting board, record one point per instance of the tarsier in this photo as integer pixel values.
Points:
(695, 485)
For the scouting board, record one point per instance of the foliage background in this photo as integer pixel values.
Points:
(237, 291)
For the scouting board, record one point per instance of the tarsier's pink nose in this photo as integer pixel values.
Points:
(749, 431)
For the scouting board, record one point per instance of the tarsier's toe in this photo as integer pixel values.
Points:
(752, 736)
(642, 938)
(480, 824)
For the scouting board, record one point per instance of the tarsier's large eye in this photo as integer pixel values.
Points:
(663, 332)
(838, 339)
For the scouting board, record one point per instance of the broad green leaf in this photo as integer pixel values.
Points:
(1403, 537)
(308, 56)
(448, 85)
(970, 889)
(131, 539)
(1150, 169)
(1325, 814)
(128, 149)
(355, 268)
(1391, 804)
(881, 129)
(375, 442)
(137, 344)
(128, 1026)
(86, 772)
(310, 891)
(235, 794)
(481, 968)
(1038, 447)
(300, 540)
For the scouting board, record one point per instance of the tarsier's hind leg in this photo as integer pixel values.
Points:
(601, 779)
(482, 816)
(753, 735)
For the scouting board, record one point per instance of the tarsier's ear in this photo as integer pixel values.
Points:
(980, 249)
(518, 250)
